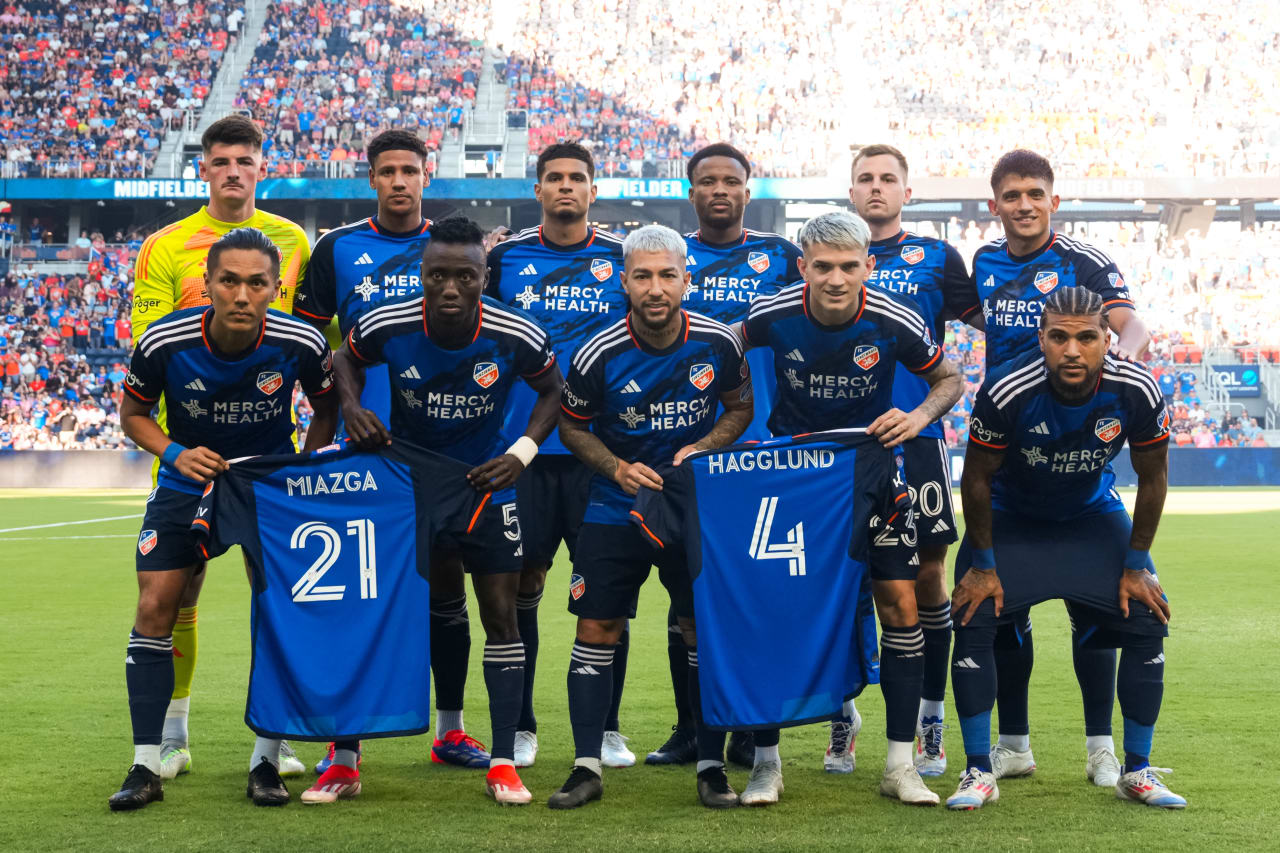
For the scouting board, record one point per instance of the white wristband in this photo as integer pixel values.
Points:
(524, 449)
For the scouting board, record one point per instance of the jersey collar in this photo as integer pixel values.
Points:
(212, 347)
(680, 340)
(412, 232)
(1020, 259)
(862, 305)
(741, 241)
(900, 237)
(476, 334)
(572, 247)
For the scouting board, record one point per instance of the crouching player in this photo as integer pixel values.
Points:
(1043, 520)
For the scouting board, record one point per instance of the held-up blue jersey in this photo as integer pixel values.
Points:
(779, 535)
(234, 404)
(354, 269)
(573, 291)
(931, 273)
(646, 404)
(837, 377)
(1011, 289)
(451, 400)
(1057, 457)
(339, 543)
(725, 279)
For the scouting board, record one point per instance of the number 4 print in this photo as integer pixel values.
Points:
(792, 550)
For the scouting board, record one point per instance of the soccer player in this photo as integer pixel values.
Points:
(567, 276)
(1042, 520)
(1012, 277)
(642, 393)
(453, 356)
(835, 345)
(228, 371)
(928, 271)
(729, 266)
(170, 275)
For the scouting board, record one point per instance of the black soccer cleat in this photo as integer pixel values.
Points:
(680, 748)
(580, 788)
(714, 791)
(140, 787)
(265, 787)
(742, 749)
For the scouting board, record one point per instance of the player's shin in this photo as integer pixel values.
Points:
(504, 677)
(590, 689)
(450, 649)
(1140, 690)
(1014, 659)
(1096, 673)
(149, 679)
(678, 659)
(901, 680)
(185, 649)
(527, 623)
(973, 683)
(620, 653)
(935, 623)
(710, 743)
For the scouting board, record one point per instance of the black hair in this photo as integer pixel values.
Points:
(566, 151)
(717, 149)
(1074, 302)
(1023, 163)
(395, 140)
(234, 129)
(456, 231)
(244, 238)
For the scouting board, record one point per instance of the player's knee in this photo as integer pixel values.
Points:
(604, 632)
(533, 578)
(896, 602)
(688, 631)
(191, 593)
(931, 582)
(158, 601)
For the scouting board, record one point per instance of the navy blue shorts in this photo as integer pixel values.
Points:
(166, 541)
(552, 495)
(929, 481)
(493, 545)
(613, 562)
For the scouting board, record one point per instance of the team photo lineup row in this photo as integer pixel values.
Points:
(634, 355)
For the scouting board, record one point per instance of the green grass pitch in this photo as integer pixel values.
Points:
(66, 609)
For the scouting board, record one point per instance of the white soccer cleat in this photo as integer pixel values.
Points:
(764, 787)
(290, 765)
(1102, 768)
(336, 783)
(930, 758)
(1145, 786)
(977, 788)
(903, 783)
(504, 785)
(175, 761)
(526, 748)
(1009, 763)
(840, 757)
(614, 752)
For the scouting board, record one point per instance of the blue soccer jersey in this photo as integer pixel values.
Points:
(340, 639)
(931, 274)
(646, 404)
(573, 291)
(1057, 462)
(451, 400)
(779, 536)
(235, 404)
(837, 377)
(1011, 289)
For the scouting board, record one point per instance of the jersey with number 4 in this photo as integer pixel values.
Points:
(338, 543)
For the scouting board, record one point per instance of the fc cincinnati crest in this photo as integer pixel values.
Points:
(1115, 280)
(758, 261)
(1107, 428)
(601, 269)
(147, 542)
(577, 586)
(269, 381)
(866, 357)
(912, 254)
(1045, 281)
(485, 374)
(701, 376)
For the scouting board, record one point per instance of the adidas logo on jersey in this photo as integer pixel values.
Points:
(411, 373)
(990, 282)
(966, 663)
(196, 385)
(528, 270)
(363, 260)
(1041, 428)
(631, 387)
(795, 355)
(940, 527)
(690, 262)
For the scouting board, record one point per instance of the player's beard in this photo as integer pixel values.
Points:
(655, 327)
(1077, 390)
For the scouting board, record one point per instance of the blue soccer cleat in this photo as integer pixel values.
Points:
(459, 749)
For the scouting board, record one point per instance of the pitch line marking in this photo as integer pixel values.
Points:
(69, 523)
(52, 538)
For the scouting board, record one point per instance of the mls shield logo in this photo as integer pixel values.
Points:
(701, 375)
(758, 261)
(577, 586)
(601, 269)
(866, 357)
(912, 254)
(1107, 428)
(485, 374)
(1045, 281)
(147, 542)
(1116, 280)
(269, 381)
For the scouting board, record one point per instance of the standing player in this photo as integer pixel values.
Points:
(1043, 520)
(1012, 277)
(567, 275)
(640, 394)
(170, 275)
(453, 356)
(230, 369)
(927, 271)
(835, 344)
(729, 267)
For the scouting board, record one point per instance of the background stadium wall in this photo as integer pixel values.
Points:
(75, 469)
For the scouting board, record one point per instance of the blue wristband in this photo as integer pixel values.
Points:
(983, 558)
(171, 454)
(1138, 561)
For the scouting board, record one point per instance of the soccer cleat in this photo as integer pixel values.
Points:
(930, 758)
(1102, 768)
(840, 756)
(614, 752)
(140, 787)
(526, 748)
(174, 761)
(764, 787)
(1009, 763)
(504, 785)
(336, 783)
(459, 749)
(680, 748)
(977, 788)
(714, 791)
(290, 764)
(1145, 786)
(265, 787)
(325, 763)
(742, 749)
(904, 784)
(580, 788)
